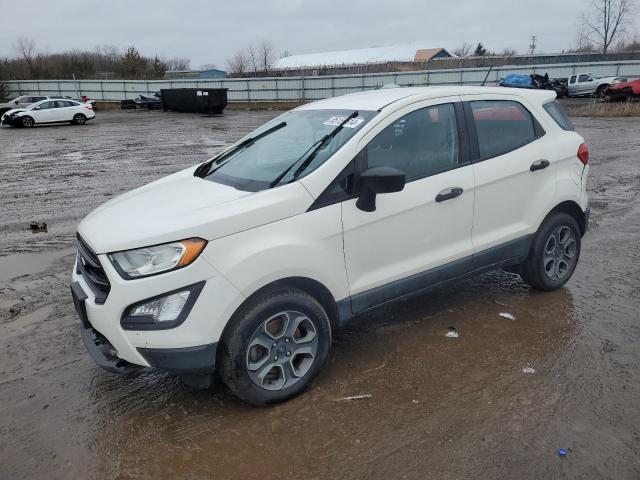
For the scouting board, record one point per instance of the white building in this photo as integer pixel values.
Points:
(361, 56)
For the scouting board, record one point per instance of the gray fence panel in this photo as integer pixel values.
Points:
(311, 88)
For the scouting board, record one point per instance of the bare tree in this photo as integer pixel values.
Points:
(508, 52)
(253, 59)
(266, 54)
(606, 21)
(177, 63)
(582, 43)
(26, 49)
(238, 64)
(463, 50)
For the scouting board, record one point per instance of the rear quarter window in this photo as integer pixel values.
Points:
(559, 115)
(503, 126)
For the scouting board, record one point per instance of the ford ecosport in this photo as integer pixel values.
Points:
(246, 263)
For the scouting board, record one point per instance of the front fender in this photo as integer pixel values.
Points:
(308, 245)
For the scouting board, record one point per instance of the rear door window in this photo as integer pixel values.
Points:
(557, 111)
(584, 78)
(502, 126)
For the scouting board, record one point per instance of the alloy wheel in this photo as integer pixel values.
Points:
(560, 253)
(282, 350)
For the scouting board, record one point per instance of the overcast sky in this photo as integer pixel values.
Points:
(210, 31)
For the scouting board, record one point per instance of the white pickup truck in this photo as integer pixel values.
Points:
(582, 84)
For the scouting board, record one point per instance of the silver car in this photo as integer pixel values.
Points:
(21, 102)
(583, 84)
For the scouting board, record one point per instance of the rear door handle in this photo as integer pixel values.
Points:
(448, 194)
(539, 165)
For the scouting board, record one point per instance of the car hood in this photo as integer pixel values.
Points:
(15, 110)
(182, 206)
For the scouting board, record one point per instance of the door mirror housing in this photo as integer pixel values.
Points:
(376, 180)
(17, 102)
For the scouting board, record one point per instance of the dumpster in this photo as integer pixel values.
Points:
(197, 100)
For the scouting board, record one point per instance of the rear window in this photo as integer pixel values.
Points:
(502, 126)
(559, 114)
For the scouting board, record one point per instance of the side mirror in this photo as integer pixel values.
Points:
(37, 108)
(17, 102)
(378, 180)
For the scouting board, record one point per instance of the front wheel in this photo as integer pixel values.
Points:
(600, 92)
(554, 254)
(27, 122)
(79, 119)
(275, 346)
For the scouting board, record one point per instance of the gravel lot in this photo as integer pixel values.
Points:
(438, 407)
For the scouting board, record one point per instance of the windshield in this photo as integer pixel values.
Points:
(255, 167)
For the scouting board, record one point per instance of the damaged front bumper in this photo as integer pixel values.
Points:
(190, 362)
(100, 349)
(10, 120)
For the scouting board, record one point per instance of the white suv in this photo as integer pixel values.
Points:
(246, 263)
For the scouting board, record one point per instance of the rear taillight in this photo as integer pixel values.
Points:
(88, 107)
(583, 153)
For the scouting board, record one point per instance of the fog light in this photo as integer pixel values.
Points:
(164, 309)
(162, 312)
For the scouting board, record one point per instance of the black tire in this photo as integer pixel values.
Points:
(543, 269)
(79, 119)
(234, 356)
(26, 122)
(600, 91)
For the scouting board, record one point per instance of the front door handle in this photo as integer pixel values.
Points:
(448, 194)
(539, 165)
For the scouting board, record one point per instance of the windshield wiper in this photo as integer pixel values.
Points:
(205, 169)
(308, 156)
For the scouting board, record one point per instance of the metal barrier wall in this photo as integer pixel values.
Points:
(276, 89)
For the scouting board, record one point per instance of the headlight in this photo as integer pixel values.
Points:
(143, 262)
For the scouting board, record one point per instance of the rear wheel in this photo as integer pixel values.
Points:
(554, 254)
(27, 122)
(275, 346)
(79, 119)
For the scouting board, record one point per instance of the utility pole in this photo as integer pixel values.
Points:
(532, 45)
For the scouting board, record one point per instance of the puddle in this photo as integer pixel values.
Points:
(21, 264)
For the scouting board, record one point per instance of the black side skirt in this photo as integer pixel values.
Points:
(507, 254)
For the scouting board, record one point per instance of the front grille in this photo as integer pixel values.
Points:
(89, 267)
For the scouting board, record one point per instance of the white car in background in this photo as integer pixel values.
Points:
(582, 84)
(49, 111)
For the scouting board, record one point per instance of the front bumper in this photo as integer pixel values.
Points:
(188, 348)
(9, 120)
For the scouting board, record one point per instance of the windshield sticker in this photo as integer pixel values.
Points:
(335, 121)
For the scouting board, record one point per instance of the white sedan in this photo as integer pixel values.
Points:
(49, 111)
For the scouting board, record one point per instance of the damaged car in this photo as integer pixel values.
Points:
(623, 91)
(49, 111)
(586, 84)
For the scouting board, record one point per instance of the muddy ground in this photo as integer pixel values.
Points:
(439, 407)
